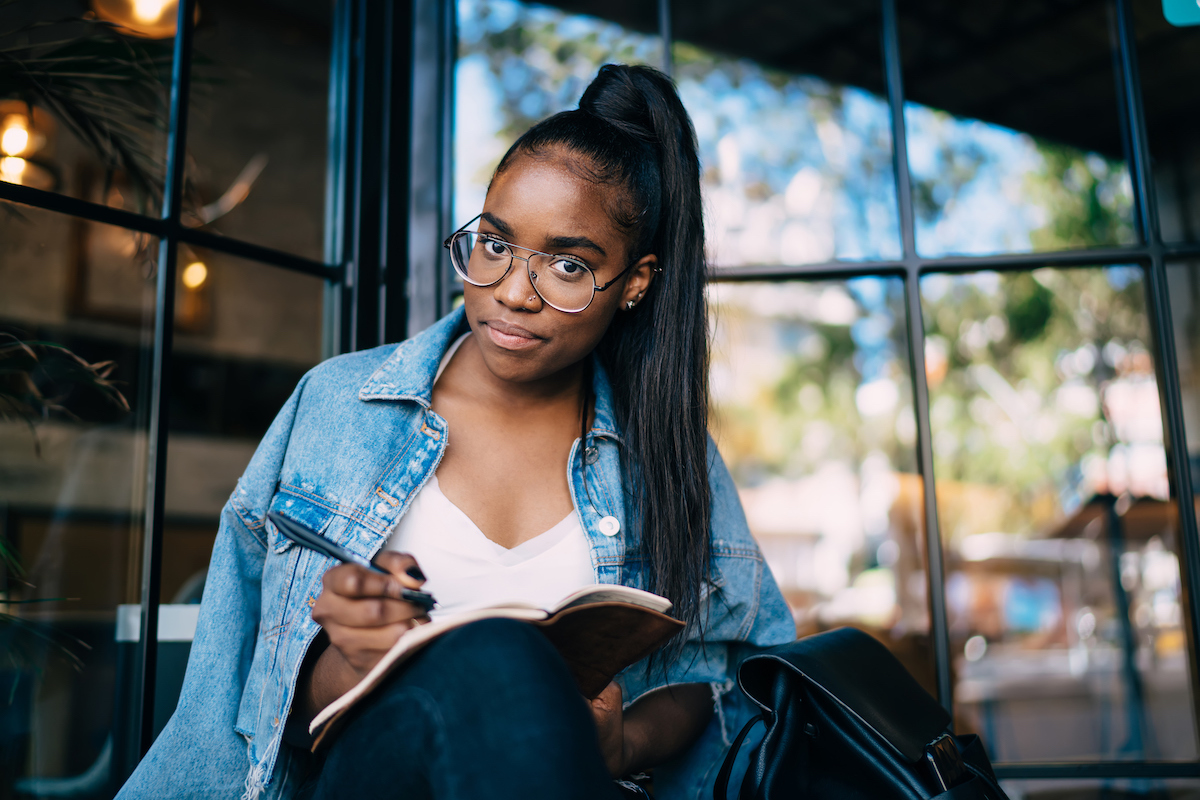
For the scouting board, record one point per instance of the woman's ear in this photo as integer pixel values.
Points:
(640, 276)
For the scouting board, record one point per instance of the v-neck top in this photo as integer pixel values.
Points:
(465, 569)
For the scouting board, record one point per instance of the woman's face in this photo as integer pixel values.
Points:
(541, 204)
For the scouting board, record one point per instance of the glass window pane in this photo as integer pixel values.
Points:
(72, 486)
(1014, 141)
(257, 124)
(518, 63)
(1183, 281)
(1063, 582)
(812, 411)
(248, 333)
(83, 108)
(794, 131)
(1170, 74)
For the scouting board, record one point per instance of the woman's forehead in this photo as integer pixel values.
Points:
(548, 196)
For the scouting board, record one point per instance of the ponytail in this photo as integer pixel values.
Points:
(632, 131)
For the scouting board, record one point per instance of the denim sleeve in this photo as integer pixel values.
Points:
(199, 754)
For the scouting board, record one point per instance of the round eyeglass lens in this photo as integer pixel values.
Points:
(479, 259)
(564, 283)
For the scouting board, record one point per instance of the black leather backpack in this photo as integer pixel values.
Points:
(846, 721)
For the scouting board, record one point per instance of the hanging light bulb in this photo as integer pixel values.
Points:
(15, 138)
(25, 146)
(194, 275)
(149, 19)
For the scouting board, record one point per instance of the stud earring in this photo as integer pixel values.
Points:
(629, 305)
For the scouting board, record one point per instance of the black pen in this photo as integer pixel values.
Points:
(306, 537)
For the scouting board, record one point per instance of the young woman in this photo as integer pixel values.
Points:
(549, 434)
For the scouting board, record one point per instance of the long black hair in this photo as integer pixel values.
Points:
(631, 131)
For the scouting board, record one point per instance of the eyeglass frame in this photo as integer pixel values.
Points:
(492, 237)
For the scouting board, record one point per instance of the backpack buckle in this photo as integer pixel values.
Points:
(945, 763)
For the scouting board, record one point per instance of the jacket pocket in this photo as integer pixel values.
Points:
(299, 508)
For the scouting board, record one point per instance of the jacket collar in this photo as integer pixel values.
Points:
(409, 372)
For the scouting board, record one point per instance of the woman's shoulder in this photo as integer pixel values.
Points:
(389, 371)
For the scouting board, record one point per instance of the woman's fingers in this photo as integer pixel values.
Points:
(355, 611)
(403, 566)
(362, 611)
(351, 580)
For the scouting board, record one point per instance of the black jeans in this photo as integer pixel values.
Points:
(487, 712)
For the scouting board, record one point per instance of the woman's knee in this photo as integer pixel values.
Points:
(497, 652)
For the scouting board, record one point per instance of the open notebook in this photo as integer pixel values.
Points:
(599, 630)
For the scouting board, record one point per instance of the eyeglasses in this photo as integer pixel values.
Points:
(563, 282)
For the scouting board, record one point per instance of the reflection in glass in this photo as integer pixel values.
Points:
(257, 126)
(1063, 588)
(72, 482)
(1183, 281)
(797, 170)
(261, 332)
(1014, 141)
(518, 63)
(812, 411)
(82, 100)
(1170, 74)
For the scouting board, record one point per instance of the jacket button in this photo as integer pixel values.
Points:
(609, 526)
(591, 455)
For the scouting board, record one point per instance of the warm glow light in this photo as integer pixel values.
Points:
(15, 139)
(149, 10)
(11, 169)
(195, 274)
(153, 19)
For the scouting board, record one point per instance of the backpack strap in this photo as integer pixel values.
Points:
(721, 787)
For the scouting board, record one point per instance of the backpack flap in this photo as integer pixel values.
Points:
(869, 722)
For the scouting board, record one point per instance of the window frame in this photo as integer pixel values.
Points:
(1150, 252)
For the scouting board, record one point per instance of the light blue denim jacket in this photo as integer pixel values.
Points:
(353, 445)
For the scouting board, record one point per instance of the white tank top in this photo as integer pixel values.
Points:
(465, 569)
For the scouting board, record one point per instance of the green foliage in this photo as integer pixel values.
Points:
(1087, 197)
(1028, 307)
(1013, 341)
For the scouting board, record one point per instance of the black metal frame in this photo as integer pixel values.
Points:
(388, 195)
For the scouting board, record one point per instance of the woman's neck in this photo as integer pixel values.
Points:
(468, 374)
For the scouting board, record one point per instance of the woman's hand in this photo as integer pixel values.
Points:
(361, 611)
(659, 726)
(610, 726)
(362, 616)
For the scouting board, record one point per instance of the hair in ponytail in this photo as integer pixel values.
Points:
(631, 131)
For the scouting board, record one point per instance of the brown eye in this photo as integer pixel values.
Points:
(495, 248)
(567, 269)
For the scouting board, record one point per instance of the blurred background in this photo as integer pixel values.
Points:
(955, 310)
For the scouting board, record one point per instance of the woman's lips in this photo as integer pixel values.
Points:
(509, 336)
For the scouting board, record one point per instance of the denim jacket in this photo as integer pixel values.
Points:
(353, 445)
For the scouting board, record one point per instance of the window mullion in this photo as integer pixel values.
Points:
(1162, 330)
(164, 318)
(934, 562)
